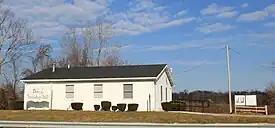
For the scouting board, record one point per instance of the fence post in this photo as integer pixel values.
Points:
(266, 112)
(235, 108)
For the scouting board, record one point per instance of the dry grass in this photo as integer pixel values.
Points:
(161, 117)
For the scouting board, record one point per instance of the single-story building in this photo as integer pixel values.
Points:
(56, 88)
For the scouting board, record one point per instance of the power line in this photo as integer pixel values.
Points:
(192, 68)
(256, 64)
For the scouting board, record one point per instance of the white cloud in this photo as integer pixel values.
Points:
(212, 28)
(181, 13)
(258, 15)
(270, 8)
(253, 16)
(51, 18)
(245, 5)
(215, 9)
(263, 35)
(270, 24)
(205, 43)
(149, 19)
(228, 14)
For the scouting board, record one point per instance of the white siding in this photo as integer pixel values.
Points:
(164, 83)
(112, 91)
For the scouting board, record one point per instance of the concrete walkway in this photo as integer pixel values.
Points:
(214, 114)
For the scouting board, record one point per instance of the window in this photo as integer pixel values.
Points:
(128, 91)
(69, 91)
(160, 93)
(166, 95)
(98, 91)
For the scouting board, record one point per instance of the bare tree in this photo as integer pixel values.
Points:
(72, 47)
(6, 95)
(15, 42)
(102, 33)
(89, 46)
(112, 57)
(270, 91)
(15, 37)
(41, 60)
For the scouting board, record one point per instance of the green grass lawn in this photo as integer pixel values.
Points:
(160, 117)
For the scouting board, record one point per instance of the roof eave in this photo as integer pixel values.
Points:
(92, 79)
(165, 69)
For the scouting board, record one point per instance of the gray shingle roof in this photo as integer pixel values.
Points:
(125, 71)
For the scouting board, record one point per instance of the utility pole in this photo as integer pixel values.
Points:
(229, 80)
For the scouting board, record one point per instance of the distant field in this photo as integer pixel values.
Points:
(158, 117)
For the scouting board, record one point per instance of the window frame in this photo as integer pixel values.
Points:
(69, 92)
(166, 94)
(128, 91)
(98, 92)
(161, 91)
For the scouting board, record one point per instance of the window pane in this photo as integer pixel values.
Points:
(98, 91)
(97, 95)
(69, 95)
(69, 88)
(128, 90)
(98, 87)
(128, 87)
(128, 95)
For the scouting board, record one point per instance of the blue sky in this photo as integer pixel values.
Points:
(181, 33)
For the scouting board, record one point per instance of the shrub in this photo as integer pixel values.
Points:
(121, 107)
(97, 107)
(165, 106)
(114, 108)
(132, 107)
(174, 107)
(77, 106)
(106, 105)
(17, 105)
(177, 105)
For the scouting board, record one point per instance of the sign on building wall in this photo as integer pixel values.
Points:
(38, 97)
(246, 100)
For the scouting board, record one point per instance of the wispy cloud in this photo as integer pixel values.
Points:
(266, 35)
(258, 15)
(253, 16)
(270, 24)
(215, 9)
(52, 17)
(212, 28)
(197, 62)
(206, 43)
(245, 5)
(181, 13)
(228, 14)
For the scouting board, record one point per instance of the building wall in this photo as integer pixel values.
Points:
(84, 92)
(164, 83)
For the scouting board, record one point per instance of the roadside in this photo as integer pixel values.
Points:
(215, 114)
(148, 117)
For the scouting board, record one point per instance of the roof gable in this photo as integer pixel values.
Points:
(125, 71)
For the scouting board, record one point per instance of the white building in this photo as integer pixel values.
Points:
(57, 88)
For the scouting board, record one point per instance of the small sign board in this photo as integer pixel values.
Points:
(246, 100)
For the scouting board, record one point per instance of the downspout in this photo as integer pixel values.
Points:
(51, 99)
(25, 97)
(155, 104)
